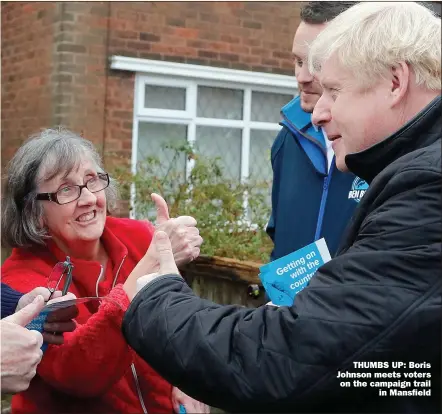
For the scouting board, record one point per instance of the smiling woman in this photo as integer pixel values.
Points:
(50, 161)
(56, 204)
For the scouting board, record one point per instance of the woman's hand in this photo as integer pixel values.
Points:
(157, 261)
(58, 321)
(61, 320)
(191, 405)
(182, 231)
(184, 238)
(29, 297)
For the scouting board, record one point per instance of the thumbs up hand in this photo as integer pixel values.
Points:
(162, 249)
(183, 237)
(158, 260)
(182, 231)
(20, 350)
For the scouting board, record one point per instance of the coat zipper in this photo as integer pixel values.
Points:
(137, 385)
(134, 372)
(327, 179)
(118, 271)
(98, 280)
(325, 188)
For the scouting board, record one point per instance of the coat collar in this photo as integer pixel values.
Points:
(421, 131)
(114, 248)
(86, 272)
(297, 116)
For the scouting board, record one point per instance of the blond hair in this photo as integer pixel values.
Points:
(370, 38)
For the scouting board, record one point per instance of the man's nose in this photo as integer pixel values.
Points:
(303, 75)
(321, 113)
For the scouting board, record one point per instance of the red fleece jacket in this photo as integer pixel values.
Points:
(92, 371)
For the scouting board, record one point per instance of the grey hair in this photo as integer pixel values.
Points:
(372, 37)
(43, 156)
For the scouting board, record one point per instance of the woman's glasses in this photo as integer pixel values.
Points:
(71, 193)
(60, 277)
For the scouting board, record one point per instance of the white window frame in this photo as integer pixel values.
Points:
(189, 77)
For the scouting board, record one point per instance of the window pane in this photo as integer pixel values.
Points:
(152, 137)
(260, 168)
(219, 103)
(261, 142)
(266, 106)
(164, 97)
(224, 143)
(151, 140)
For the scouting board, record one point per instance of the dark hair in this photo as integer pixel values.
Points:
(434, 6)
(318, 12)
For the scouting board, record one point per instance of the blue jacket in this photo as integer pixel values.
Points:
(308, 203)
(10, 298)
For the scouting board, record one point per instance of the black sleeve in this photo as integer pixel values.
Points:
(271, 359)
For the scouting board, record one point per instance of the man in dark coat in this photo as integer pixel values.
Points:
(365, 334)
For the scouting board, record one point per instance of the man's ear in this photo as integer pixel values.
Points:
(400, 78)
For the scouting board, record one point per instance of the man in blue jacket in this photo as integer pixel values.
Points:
(311, 198)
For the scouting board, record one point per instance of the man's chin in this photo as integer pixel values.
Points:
(308, 104)
(341, 165)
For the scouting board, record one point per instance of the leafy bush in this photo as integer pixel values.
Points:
(216, 202)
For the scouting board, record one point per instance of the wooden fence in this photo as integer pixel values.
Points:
(224, 281)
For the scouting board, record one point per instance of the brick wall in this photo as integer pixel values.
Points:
(26, 37)
(80, 64)
(239, 35)
(55, 66)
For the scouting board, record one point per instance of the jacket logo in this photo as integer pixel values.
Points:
(358, 189)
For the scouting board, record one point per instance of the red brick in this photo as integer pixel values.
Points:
(67, 47)
(209, 35)
(231, 57)
(251, 59)
(250, 24)
(149, 37)
(209, 17)
(198, 44)
(207, 54)
(219, 46)
(229, 39)
(251, 41)
(230, 20)
(140, 46)
(269, 62)
(282, 54)
(241, 50)
(176, 22)
(186, 32)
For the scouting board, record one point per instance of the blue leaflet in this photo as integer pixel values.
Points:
(285, 277)
(37, 324)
